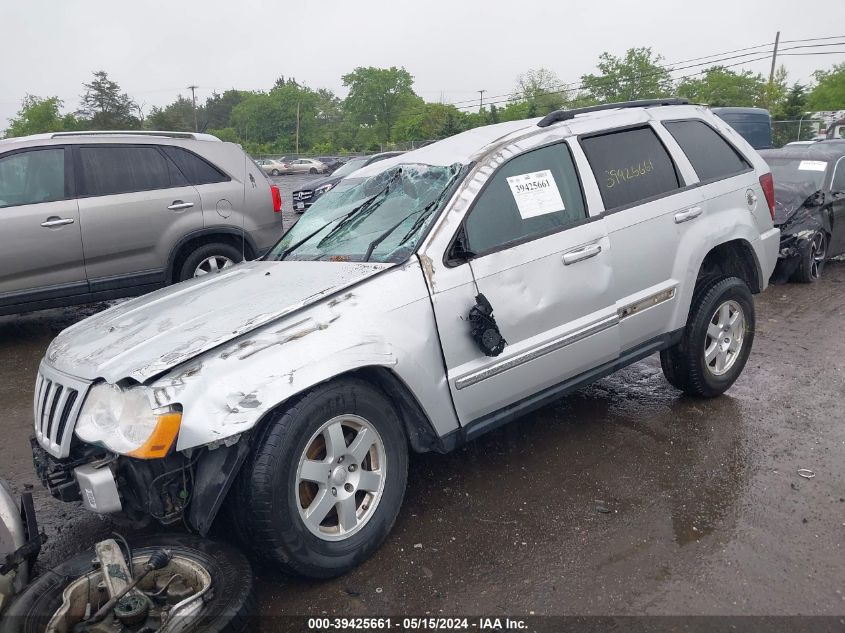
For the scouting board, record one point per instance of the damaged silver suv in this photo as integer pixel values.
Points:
(428, 299)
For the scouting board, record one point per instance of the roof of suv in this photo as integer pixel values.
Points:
(465, 147)
(66, 137)
(824, 150)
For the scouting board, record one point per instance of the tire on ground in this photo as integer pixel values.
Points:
(264, 498)
(804, 273)
(228, 608)
(203, 252)
(684, 364)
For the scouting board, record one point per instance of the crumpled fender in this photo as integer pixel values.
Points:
(386, 321)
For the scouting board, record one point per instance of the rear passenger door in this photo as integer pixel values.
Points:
(134, 205)
(647, 211)
(544, 265)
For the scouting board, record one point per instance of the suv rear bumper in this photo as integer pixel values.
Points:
(767, 250)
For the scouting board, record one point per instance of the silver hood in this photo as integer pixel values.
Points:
(145, 336)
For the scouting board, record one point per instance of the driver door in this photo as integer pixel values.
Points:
(544, 265)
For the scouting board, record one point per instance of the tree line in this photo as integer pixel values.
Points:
(382, 110)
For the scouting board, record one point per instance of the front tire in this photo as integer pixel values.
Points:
(312, 171)
(716, 341)
(812, 260)
(325, 481)
(275, 172)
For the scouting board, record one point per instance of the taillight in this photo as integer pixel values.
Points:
(768, 185)
(277, 198)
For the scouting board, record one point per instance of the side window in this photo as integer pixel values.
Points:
(32, 177)
(838, 182)
(630, 166)
(531, 195)
(711, 156)
(197, 170)
(106, 170)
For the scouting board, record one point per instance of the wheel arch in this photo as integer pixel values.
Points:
(734, 258)
(226, 235)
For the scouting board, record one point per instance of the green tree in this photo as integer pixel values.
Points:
(542, 88)
(377, 96)
(106, 107)
(637, 75)
(788, 124)
(722, 87)
(38, 115)
(829, 92)
(177, 116)
(428, 121)
(218, 108)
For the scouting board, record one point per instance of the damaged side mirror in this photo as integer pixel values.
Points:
(484, 330)
(460, 251)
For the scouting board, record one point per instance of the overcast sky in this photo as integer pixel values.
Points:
(453, 48)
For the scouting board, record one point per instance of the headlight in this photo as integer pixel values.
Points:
(122, 421)
(319, 191)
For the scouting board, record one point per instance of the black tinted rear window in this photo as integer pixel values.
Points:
(711, 156)
(197, 170)
(630, 166)
(106, 170)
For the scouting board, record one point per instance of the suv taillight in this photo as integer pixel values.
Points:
(768, 185)
(277, 198)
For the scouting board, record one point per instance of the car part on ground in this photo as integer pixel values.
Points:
(91, 216)
(183, 584)
(599, 236)
(20, 543)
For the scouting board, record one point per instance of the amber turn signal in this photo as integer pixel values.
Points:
(162, 438)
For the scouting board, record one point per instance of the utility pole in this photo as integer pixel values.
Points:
(194, 100)
(297, 128)
(481, 100)
(774, 59)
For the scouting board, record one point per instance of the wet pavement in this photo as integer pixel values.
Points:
(624, 498)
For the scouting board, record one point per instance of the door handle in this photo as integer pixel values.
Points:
(687, 215)
(581, 254)
(178, 205)
(49, 224)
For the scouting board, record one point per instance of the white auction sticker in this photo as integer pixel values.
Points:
(536, 194)
(812, 165)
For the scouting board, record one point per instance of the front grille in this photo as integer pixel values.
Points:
(299, 196)
(58, 399)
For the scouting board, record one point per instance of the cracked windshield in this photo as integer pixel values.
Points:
(380, 218)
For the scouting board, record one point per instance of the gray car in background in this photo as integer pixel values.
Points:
(87, 216)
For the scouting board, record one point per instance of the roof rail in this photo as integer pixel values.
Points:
(189, 135)
(565, 115)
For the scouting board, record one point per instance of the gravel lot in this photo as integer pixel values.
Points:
(625, 498)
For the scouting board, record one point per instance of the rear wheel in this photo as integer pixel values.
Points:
(208, 259)
(275, 172)
(313, 170)
(812, 260)
(325, 482)
(716, 341)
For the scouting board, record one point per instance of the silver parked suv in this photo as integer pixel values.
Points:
(424, 300)
(98, 215)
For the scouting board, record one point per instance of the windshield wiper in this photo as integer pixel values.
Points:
(383, 236)
(292, 248)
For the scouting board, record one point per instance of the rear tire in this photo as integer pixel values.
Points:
(716, 341)
(273, 497)
(228, 607)
(312, 170)
(275, 172)
(812, 260)
(211, 258)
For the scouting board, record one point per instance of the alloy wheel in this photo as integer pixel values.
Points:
(213, 264)
(725, 336)
(340, 478)
(818, 252)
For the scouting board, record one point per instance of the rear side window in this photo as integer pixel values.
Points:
(197, 170)
(32, 177)
(630, 166)
(106, 170)
(532, 195)
(711, 156)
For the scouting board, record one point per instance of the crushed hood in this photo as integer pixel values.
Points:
(151, 334)
(789, 197)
